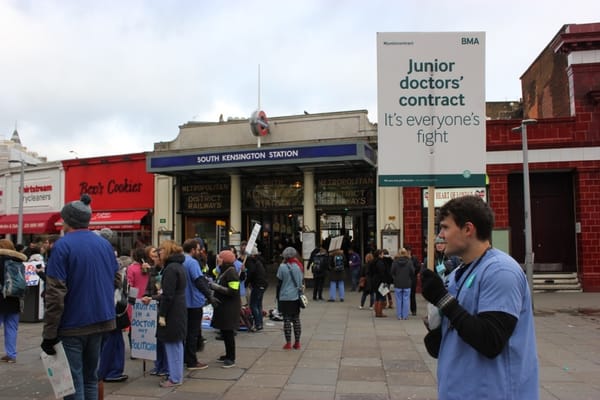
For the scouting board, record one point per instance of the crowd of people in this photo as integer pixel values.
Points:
(485, 328)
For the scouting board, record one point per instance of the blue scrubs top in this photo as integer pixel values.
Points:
(497, 283)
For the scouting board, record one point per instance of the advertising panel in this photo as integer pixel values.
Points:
(431, 109)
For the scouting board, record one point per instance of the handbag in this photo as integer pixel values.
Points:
(362, 282)
(302, 299)
(58, 371)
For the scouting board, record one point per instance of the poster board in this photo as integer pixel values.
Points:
(336, 243)
(431, 107)
(143, 330)
(390, 240)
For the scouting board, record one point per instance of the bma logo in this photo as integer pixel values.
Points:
(469, 40)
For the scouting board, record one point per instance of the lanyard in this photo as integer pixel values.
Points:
(469, 274)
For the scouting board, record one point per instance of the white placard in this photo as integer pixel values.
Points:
(252, 240)
(431, 109)
(143, 330)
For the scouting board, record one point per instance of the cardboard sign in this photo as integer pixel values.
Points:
(144, 321)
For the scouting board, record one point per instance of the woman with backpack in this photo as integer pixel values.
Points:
(336, 275)
(10, 307)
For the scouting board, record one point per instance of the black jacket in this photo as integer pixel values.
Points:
(172, 303)
(256, 275)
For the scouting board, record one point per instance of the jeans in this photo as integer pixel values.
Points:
(332, 286)
(83, 353)
(402, 302)
(11, 326)
(363, 297)
(194, 327)
(256, 300)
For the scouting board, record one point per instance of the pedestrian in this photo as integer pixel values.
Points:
(487, 345)
(319, 265)
(402, 274)
(337, 272)
(226, 316)
(288, 294)
(413, 288)
(366, 287)
(256, 279)
(153, 292)
(354, 265)
(79, 300)
(172, 311)
(10, 307)
(379, 276)
(197, 295)
(112, 353)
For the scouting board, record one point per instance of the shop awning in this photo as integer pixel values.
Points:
(32, 223)
(116, 220)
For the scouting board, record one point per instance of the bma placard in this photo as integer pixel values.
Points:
(431, 109)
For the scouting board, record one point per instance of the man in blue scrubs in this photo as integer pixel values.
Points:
(488, 346)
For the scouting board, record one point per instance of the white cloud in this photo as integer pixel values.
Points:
(114, 77)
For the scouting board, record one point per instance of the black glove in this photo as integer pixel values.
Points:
(214, 301)
(48, 346)
(432, 286)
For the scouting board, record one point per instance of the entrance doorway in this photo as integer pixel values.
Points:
(552, 221)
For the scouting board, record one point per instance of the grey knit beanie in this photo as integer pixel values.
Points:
(289, 252)
(77, 214)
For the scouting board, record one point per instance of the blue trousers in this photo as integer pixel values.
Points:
(112, 357)
(402, 302)
(174, 352)
(83, 353)
(160, 364)
(332, 286)
(11, 327)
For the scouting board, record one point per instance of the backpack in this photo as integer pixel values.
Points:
(14, 279)
(338, 263)
(318, 265)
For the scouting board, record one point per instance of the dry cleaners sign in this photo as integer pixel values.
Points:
(431, 109)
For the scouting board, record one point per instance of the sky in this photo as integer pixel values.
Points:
(87, 78)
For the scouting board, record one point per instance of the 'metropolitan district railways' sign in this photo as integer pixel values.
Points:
(431, 102)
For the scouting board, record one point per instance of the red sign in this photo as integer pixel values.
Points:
(113, 182)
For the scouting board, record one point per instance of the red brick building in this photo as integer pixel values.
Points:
(561, 89)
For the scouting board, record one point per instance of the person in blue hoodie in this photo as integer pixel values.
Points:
(79, 300)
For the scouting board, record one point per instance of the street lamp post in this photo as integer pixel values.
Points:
(21, 200)
(527, 203)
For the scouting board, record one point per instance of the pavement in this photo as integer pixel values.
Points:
(346, 354)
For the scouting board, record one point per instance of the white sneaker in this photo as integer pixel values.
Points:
(360, 307)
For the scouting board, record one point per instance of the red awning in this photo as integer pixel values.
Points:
(116, 220)
(32, 223)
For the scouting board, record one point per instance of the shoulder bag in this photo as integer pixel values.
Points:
(302, 299)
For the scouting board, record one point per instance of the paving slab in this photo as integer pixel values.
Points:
(346, 354)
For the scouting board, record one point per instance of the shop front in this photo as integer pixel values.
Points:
(122, 195)
(298, 185)
(40, 202)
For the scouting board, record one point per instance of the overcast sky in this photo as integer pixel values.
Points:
(88, 78)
